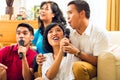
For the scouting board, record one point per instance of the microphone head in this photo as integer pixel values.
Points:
(67, 32)
(21, 42)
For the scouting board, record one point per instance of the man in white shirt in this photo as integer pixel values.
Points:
(87, 40)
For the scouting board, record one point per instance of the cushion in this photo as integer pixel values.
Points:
(106, 66)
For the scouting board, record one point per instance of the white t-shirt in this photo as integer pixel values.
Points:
(93, 41)
(65, 71)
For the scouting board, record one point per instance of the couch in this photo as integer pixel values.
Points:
(109, 61)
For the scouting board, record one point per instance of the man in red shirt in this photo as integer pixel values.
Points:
(11, 66)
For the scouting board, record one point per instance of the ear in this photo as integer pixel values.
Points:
(53, 15)
(82, 13)
(32, 37)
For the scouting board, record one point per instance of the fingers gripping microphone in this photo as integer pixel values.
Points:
(67, 33)
(21, 43)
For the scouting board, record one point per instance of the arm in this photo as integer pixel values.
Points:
(26, 71)
(3, 75)
(82, 55)
(54, 68)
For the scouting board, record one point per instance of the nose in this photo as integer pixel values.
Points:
(54, 32)
(68, 17)
(21, 36)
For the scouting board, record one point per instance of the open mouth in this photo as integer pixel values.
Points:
(55, 38)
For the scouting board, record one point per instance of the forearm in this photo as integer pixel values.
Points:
(88, 58)
(27, 74)
(54, 68)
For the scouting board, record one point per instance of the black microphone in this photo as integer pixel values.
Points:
(21, 43)
(67, 33)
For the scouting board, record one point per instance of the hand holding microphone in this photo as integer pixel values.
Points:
(21, 43)
(67, 33)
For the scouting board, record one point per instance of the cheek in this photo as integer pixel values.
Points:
(48, 37)
(17, 38)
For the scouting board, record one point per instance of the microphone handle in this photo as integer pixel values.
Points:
(20, 55)
(64, 54)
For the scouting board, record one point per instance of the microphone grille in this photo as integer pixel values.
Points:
(67, 31)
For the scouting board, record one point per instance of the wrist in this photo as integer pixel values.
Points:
(78, 54)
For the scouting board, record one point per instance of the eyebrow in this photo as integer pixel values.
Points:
(22, 31)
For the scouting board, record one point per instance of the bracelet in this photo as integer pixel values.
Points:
(78, 54)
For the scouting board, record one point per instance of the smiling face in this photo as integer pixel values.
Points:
(55, 35)
(46, 12)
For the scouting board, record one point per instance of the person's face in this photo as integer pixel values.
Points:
(73, 16)
(24, 33)
(55, 35)
(46, 13)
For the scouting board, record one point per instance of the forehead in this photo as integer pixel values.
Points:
(55, 27)
(46, 5)
(21, 28)
(71, 7)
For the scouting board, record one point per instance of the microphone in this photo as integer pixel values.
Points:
(67, 33)
(21, 43)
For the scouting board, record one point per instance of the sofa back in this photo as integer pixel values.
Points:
(114, 37)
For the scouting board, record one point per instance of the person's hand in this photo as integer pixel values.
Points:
(39, 78)
(2, 69)
(23, 50)
(2, 66)
(64, 42)
(40, 58)
(68, 47)
(71, 49)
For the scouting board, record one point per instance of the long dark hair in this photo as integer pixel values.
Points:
(58, 18)
(47, 47)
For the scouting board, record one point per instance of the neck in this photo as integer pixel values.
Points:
(56, 50)
(82, 27)
(46, 23)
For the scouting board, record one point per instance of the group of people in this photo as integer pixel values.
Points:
(86, 41)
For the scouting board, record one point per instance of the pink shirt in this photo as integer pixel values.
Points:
(9, 57)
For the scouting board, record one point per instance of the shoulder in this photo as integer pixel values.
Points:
(6, 48)
(32, 51)
(97, 30)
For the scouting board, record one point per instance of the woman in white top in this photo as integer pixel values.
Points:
(57, 66)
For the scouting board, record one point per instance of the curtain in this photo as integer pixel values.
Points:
(113, 15)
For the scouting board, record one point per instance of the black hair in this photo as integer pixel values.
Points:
(58, 15)
(81, 5)
(26, 25)
(47, 47)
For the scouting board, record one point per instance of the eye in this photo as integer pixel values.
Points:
(46, 8)
(50, 31)
(59, 30)
(25, 33)
(18, 33)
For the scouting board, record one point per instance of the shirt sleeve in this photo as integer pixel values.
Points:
(3, 53)
(101, 44)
